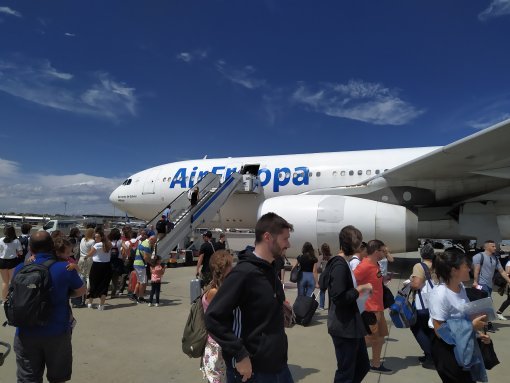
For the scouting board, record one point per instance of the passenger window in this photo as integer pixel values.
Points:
(310, 174)
(287, 175)
(334, 173)
(318, 174)
(281, 176)
(342, 173)
(164, 179)
(351, 172)
(369, 172)
(360, 172)
(377, 171)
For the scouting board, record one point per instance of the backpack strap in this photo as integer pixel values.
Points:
(429, 280)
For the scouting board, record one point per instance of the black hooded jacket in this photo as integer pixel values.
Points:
(246, 316)
(344, 319)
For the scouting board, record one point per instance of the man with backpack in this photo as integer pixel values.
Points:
(485, 265)
(161, 227)
(47, 342)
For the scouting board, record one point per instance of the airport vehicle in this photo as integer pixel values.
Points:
(64, 225)
(458, 191)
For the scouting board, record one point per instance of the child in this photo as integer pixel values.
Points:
(64, 251)
(157, 272)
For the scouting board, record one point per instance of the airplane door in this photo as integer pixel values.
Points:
(149, 184)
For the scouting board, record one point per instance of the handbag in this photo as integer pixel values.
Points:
(490, 359)
(295, 273)
(388, 298)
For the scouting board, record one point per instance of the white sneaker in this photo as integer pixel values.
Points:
(90, 305)
(150, 305)
(500, 316)
(100, 307)
(157, 305)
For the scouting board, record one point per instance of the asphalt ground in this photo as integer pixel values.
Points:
(131, 342)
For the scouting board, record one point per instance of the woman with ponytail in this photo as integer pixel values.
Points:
(214, 368)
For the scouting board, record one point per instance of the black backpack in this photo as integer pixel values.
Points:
(24, 243)
(28, 300)
(161, 226)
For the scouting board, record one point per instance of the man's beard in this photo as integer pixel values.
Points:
(277, 251)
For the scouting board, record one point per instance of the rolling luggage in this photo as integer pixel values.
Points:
(304, 307)
(194, 289)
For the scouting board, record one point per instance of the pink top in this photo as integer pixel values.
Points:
(156, 273)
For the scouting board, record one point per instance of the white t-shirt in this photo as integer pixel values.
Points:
(445, 304)
(85, 246)
(354, 262)
(100, 255)
(9, 250)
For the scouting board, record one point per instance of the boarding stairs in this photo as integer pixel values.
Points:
(213, 195)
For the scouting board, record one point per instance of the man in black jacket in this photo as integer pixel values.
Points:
(246, 315)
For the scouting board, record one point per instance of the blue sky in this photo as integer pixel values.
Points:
(93, 91)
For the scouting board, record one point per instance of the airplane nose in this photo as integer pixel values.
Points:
(113, 197)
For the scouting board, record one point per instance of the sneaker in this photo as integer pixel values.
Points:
(422, 359)
(429, 364)
(150, 305)
(133, 298)
(500, 316)
(321, 309)
(90, 305)
(381, 369)
(141, 300)
(100, 307)
(157, 305)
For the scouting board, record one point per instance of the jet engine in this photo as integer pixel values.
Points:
(319, 218)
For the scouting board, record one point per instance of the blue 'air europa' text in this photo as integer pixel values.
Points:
(279, 176)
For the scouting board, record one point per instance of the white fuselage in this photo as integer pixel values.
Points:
(146, 193)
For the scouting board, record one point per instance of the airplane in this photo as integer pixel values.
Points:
(459, 191)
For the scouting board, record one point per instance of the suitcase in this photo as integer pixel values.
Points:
(194, 289)
(304, 307)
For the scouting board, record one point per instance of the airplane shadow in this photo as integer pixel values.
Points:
(299, 372)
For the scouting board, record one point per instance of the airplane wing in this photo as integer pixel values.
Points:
(464, 170)
(484, 153)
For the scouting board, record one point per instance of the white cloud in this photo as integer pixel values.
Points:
(68, 34)
(7, 168)
(10, 11)
(97, 95)
(30, 193)
(495, 9)
(243, 77)
(357, 100)
(486, 121)
(196, 55)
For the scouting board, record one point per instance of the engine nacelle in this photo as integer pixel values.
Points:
(318, 219)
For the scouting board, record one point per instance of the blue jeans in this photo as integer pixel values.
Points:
(284, 376)
(306, 284)
(352, 361)
(423, 333)
(322, 298)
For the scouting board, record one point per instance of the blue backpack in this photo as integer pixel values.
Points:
(402, 312)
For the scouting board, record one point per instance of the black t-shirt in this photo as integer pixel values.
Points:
(219, 245)
(306, 263)
(207, 249)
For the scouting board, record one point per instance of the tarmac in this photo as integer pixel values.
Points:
(131, 342)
